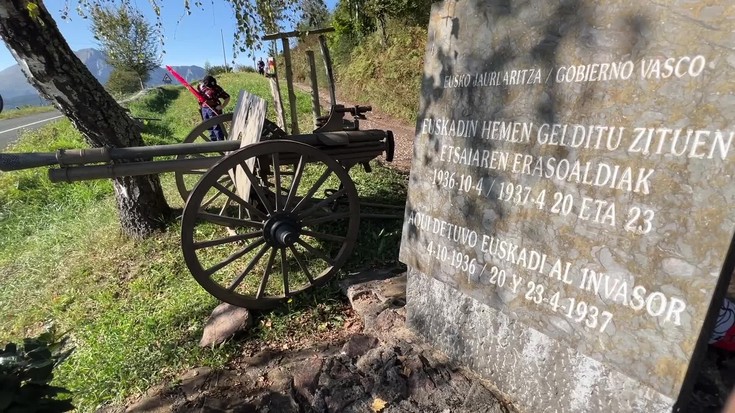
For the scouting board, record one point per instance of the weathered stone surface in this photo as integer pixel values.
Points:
(358, 345)
(306, 377)
(573, 187)
(542, 374)
(225, 321)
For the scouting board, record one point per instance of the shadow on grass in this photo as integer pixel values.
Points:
(160, 99)
(158, 132)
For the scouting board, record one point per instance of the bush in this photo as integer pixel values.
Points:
(123, 82)
(25, 374)
(217, 69)
(244, 68)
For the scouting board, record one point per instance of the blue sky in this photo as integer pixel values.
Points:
(190, 39)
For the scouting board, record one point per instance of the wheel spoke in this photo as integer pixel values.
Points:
(248, 268)
(228, 221)
(303, 267)
(326, 218)
(224, 207)
(314, 251)
(320, 235)
(284, 272)
(254, 184)
(295, 182)
(313, 189)
(266, 274)
(196, 172)
(237, 255)
(212, 199)
(222, 189)
(277, 179)
(234, 197)
(323, 202)
(204, 136)
(226, 240)
(225, 178)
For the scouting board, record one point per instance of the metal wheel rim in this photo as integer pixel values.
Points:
(266, 251)
(200, 132)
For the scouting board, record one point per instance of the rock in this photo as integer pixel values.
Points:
(358, 345)
(223, 323)
(306, 377)
(378, 297)
(363, 277)
(193, 381)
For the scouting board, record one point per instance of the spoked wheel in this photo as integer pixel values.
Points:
(293, 230)
(185, 181)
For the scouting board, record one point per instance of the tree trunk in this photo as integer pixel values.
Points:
(48, 62)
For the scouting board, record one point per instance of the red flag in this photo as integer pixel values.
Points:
(186, 84)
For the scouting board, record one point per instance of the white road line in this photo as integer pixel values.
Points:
(30, 124)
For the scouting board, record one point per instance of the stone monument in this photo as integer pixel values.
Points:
(570, 208)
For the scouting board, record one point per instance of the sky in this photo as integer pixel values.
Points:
(189, 39)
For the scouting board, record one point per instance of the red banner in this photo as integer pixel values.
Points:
(186, 84)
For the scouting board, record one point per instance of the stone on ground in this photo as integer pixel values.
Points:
(225, 321)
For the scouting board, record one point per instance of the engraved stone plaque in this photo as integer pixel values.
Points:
(570, 203)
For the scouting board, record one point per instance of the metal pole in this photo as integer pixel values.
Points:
(223, 49)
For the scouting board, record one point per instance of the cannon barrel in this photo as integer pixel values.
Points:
(63, 157)
(352, 147)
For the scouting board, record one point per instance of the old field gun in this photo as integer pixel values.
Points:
(267, 215)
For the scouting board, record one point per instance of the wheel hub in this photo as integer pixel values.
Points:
(282, 230)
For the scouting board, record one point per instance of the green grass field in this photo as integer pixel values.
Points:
(131, 309)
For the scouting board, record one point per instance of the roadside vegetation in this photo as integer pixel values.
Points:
(377, 52)
(130, 309)
(24, 111)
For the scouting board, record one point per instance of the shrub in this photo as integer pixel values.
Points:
(25, 374)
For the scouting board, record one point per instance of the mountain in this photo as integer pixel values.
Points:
(16, 91)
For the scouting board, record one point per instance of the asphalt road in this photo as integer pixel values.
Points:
(11, 128)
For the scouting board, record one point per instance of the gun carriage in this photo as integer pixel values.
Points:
(267, 215)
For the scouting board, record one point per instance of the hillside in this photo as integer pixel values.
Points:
(371, 71)
(16, 91)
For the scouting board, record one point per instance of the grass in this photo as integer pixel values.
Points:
(132, 310)
(24, 111)
(386, 76)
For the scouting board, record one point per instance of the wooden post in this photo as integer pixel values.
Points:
(289, 73)
(328, 66)
(315, 105)
(276, 93)
(289, 86)
(247, 124)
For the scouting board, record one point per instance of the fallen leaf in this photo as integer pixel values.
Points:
(378, 404)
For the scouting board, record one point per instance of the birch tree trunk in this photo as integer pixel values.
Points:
(48, 62)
